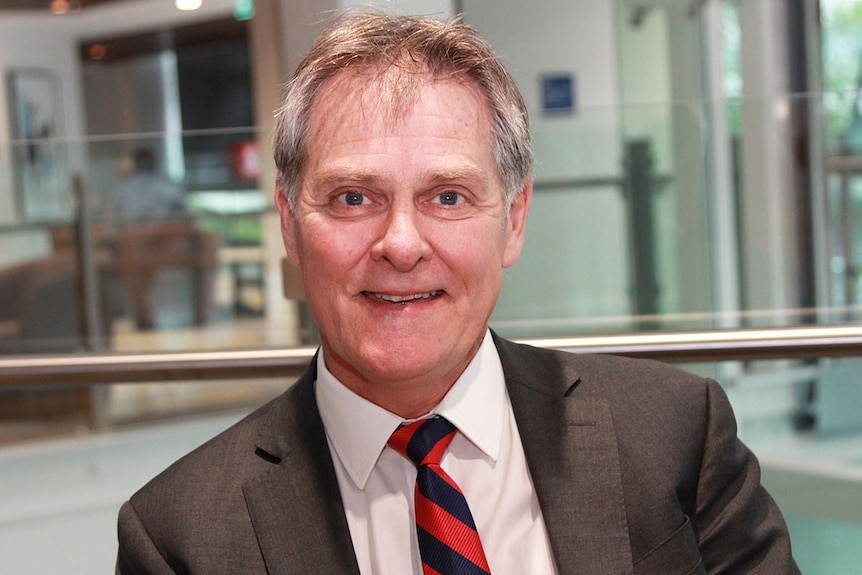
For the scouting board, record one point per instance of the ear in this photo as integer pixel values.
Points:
(288, 225)
(516, 225)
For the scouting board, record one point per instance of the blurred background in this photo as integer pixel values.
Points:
(698, 198)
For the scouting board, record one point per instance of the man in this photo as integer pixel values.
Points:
(404, 161)
(145, 194)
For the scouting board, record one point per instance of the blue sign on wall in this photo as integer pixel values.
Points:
(558, 93)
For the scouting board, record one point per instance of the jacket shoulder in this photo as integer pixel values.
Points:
(611, 377)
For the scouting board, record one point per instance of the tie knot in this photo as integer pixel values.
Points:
(424, 441)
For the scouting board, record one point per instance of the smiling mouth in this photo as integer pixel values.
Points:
(403, 299)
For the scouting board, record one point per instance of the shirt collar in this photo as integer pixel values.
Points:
(358, 429)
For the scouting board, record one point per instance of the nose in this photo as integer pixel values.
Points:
(403, 242)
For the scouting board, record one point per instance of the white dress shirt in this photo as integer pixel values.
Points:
(486, 459)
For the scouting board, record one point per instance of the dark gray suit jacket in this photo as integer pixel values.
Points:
(637, 467)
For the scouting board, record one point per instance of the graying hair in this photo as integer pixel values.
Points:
(421, 47)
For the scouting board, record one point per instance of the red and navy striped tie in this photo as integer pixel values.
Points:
(448, 541)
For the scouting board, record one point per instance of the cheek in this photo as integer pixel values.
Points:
(476, 255)
(331, 251)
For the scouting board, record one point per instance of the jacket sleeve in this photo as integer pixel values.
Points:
(738, 525)
(137, 554)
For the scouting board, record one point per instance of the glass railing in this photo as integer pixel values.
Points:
(64, 481)
(631, 232)
(115, 257)
(111, 318)
(648, 239)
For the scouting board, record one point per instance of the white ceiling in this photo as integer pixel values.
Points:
(122, 16)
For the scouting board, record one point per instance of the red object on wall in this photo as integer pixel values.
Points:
(245, 159)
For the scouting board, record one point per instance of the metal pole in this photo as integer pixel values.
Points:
(88, 280)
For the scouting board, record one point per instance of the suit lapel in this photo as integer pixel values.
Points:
(296, 507)
(568, 439)
(571, 450)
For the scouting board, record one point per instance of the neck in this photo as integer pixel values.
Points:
(407, 397)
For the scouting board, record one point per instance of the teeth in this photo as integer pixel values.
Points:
(405, 298)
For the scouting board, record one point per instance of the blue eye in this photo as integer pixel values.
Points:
(449, 198)
(353, 198)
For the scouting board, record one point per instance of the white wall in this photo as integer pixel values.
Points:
(29, 44)
(574, 264)
(577, 37)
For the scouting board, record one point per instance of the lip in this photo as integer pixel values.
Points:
(403, 299)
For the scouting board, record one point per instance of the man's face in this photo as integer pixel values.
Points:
(402, 235)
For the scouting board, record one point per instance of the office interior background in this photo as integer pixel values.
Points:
(699, 173)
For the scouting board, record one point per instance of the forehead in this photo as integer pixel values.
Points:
(384, 127)
(371, 130)
(390, 95)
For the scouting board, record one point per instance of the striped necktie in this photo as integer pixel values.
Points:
(448, 541)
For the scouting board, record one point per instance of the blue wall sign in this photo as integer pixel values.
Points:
(558, 93)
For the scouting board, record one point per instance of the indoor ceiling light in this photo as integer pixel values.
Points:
(64, 6)
(188, 4)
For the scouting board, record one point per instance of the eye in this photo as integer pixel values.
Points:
(353, 198)
(449, 198)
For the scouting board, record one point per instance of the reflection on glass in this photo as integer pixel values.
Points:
(842, 73)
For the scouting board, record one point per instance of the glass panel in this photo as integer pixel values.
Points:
(666, 132)
(842, 74)
(145, 261)
(657, 206)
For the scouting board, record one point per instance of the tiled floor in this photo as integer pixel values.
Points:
(826, 547)
(64, 494)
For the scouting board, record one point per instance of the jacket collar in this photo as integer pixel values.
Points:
(295, 507)
(577, 472)
(299, 519)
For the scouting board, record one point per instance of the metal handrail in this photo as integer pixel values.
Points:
(676, 347)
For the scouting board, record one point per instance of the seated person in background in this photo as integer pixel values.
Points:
(418, 440)
(156, 234)
(145, 193)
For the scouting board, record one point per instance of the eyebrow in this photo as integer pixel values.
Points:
(345, 175)
(340, 177)
(456, 174)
